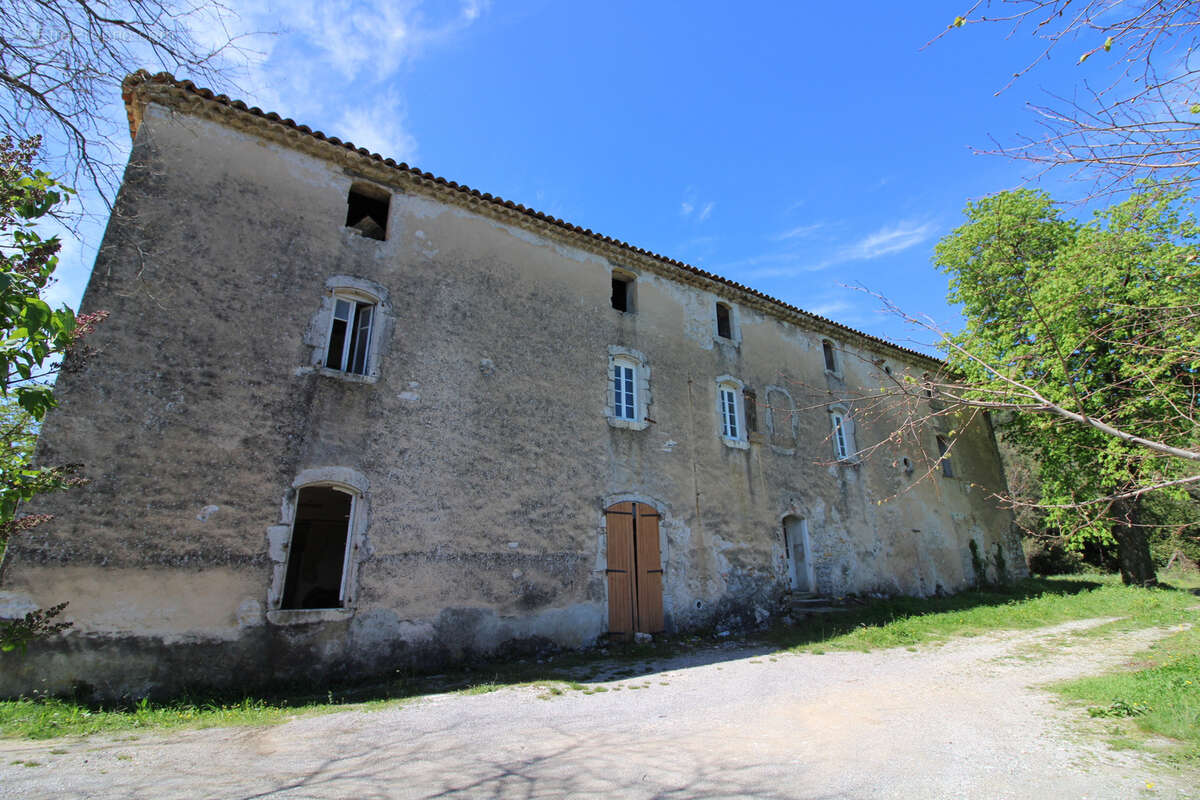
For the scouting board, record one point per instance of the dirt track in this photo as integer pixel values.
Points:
(964, 720)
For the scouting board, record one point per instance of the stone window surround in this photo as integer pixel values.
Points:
(641, 375)
(736, 386)
(316, 337)
(279, 538)
(630, 279)
(666, 521)
(834, 355)
(735, 327)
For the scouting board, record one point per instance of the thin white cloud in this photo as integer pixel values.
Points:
(380, 129)
(692, 208)
(886, 241)
(336, 64)
(832, 308)
(799, 232)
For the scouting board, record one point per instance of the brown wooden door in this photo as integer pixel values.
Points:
(649, 571)
(620, 569)
(634, 570)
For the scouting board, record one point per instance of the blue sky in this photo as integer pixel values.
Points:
(794, 147)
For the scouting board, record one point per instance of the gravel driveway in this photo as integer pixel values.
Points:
(964, 720)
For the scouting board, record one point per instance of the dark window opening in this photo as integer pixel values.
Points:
(367, 213)
(943, 454)
(751, 405)
(830, 361)
(317, 555)
(350, 336)
(622, 293)
(724, 329)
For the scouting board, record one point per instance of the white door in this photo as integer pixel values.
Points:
(795, 543)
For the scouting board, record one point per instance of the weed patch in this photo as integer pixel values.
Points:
(1159, 692)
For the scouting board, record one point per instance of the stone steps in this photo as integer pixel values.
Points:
(800, 604)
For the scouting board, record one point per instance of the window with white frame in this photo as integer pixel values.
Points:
(624, 389)
(349, 343)
(842, 434)
(628, 395)
(730, 411)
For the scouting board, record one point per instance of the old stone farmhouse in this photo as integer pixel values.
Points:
(346, 416)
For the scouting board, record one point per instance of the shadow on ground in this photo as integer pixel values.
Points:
(618, 661)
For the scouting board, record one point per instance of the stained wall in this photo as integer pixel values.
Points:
(482, 445)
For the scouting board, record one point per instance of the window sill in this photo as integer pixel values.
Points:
(834, 374)
(628, 424)
(346, 377)
(737, 444)
(305, 616)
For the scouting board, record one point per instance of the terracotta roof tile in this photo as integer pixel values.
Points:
(132, 81)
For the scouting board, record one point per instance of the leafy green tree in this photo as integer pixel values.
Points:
(1090, 334)
(33, 340)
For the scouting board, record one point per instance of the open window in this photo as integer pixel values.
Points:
(318, 552)
(724, 322)
(830, 356)
(943, 445)
(367, 210)
(349, 343)
(622, 291)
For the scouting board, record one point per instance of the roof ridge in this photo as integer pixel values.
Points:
(134, 80)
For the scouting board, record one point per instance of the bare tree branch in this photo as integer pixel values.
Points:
(62, 63)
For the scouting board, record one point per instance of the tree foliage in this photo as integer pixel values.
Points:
(1091, 334)
(33, 339)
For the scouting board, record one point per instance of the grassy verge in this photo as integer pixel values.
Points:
(1159, 693)
(1032, 603)
(49, 718)
(877, 624)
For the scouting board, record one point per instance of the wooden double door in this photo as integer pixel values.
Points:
(635, 574)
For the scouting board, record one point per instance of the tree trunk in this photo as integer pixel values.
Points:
(1133, 547)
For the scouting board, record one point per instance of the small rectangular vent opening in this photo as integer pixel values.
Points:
(622, 292)
(367, 211)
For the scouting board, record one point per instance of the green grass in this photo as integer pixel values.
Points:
(1158, 693)
(1032, 603)
(49, 718)
(903, 622)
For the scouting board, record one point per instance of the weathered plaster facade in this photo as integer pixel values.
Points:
(481, 442)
